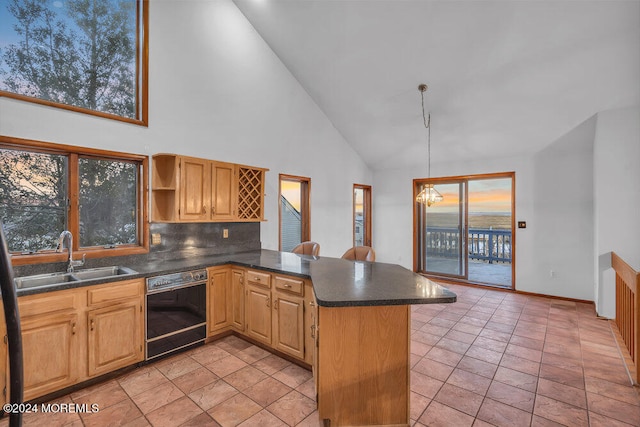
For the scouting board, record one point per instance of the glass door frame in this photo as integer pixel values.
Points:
(366, 193)
(305, 206)
(418, 182)
(462, 226)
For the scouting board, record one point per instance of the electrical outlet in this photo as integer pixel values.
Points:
(225, 233)
(156, 239)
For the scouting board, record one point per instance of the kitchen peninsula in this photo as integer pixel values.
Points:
(357, 315)
(362, 329)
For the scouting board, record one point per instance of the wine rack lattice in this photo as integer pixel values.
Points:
(250, 193)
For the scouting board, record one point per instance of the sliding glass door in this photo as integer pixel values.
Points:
(468, 235)
(442, 231)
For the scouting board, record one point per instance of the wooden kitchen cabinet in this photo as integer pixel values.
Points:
(115, 326)
(190, 189)
(73, 335)
(288, 316)
(220, 301)
(51, 341)
(362, 372)
(237, 299)
(258, 306)
(224, 190)
(195, 189)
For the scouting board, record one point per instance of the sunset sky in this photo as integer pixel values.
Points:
(488, 195)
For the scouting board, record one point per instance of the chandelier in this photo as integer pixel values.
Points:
(428, 195)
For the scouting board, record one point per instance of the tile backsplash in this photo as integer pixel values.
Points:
(177, 240)
(206, 238)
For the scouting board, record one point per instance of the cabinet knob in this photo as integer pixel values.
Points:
(267, 302)
(286, 285)
(313, 331)
(257, 279)
(275, 304)
(73, 328)
(92, 324)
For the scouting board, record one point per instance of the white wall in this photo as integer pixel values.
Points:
(563, 216)
(216, 90)
(553, 194)
(617, 199)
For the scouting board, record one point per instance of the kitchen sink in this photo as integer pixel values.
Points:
(42, 280)
(102, 272)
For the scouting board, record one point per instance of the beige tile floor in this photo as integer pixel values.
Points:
(492, 358)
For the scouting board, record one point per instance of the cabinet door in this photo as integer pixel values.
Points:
(115, 337)
(237, 298)
(258, 305)
(51, 352)
(288, 324)
(195, 191)
(219, 299)
(223, 191)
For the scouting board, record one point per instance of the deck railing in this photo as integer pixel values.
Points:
(485, 244)
(628, 308)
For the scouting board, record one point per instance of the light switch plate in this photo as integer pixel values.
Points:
(225, 233)
(156, 239)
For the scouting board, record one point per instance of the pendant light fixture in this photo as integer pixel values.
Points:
(428, 195)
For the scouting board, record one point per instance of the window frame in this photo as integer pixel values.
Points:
(366, 190)
(305, 206)
(418, 182)
(142, 77)
(74, 153)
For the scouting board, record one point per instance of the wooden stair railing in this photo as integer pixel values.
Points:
(628, 309)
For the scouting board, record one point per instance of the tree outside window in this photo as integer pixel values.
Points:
(98, 196)
(84, 55)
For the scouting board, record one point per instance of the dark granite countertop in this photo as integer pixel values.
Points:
(336, 282)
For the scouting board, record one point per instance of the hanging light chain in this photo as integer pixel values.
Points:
(426, 119)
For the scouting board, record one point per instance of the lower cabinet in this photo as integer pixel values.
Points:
(51, 343)
(51, 350)
(116, 326)
(288, 316)
(237, 299)
(276, 313)
(72, 335)
(114, 337)
(219, 299)
(258, 305)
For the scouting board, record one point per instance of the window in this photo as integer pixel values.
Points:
(294, 211)
(82, 55)
(46, 188)
(361, 215)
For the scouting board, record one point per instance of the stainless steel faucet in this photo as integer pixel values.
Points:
(66, 239)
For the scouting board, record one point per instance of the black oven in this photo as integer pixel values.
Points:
(176, 312)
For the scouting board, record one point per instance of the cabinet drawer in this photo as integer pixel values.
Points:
(35, 305)
(259, 278)
(289, 284)
(114, 292)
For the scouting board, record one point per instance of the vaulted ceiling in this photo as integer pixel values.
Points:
(505, 77)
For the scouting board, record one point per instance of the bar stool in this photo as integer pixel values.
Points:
(307, 248)
(360, 253)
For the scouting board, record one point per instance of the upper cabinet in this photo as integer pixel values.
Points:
(190, 189)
